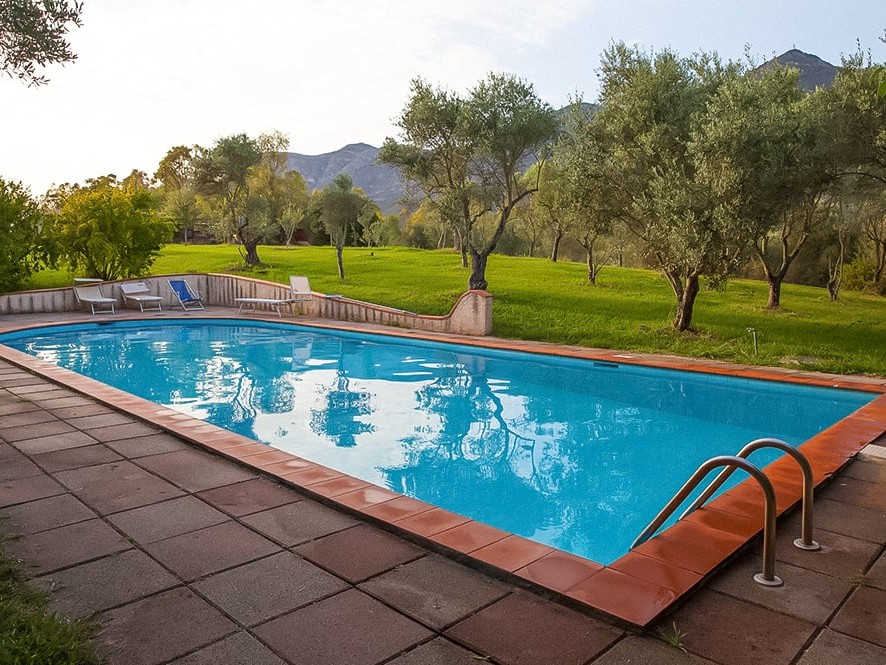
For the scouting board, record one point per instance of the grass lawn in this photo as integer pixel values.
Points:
(535, 299)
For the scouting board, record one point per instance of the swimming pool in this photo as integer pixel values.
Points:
(566, 452)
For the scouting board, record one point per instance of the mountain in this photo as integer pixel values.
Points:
(814, 72)
(380, 182)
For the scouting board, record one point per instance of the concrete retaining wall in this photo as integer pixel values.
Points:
(471, 315)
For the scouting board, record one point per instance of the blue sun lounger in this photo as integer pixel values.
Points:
(188, 299)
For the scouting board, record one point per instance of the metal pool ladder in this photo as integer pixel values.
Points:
(729, 464)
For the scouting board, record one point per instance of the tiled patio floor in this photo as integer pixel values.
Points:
(185, 557)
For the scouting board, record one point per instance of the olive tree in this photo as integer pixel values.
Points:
(651, 104)
(33, 34)
(339, 207)
(468, 154)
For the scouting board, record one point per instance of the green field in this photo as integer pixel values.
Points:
(535, 299)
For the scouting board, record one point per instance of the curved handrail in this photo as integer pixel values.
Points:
(768, 576)
(805, 541)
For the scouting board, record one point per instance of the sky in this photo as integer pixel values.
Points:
(153, 74)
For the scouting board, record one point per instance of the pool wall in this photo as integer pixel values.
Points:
(636, 588)
(471, 314)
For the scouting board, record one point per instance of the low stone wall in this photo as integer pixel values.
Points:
(471, 315)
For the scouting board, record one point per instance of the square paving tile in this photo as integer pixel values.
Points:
(43, 514)
(74, 458)
(360, 552)
(438, 652)
(857, 492)
(159, 628)
(296, 523)
(157, 521)
(105, 583)
(36, 430)
(347, 629)
(14, 465)
(18, 406)
(805, 594)
(210, 550)
(238, 649)
(527, 630)
(110, 488)
(128, 430)
(23, 419)
(45, 444)
(250, 496)
(735, 632)
(839, 556)
(864, 616)
(87, 409)
(636, 650)
(831, 648)
(843, 518)
(67, 545)
(142, 446)
(100, 420)
(196, 470)
(276, 584)
(20, 490)
(436, 591)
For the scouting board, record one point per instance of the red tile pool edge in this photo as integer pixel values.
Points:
(636, 588)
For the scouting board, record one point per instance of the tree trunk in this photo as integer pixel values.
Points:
(686, 294)
(477, 280)
(464, 255)
(775, 281)
(592, 271)
(251, 258)
(555, 250)
(340, 261)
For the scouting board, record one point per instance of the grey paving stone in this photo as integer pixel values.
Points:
(276, 584)
(347, 629)
(100, 420)
(250, 496)
(196, 470)
(521, 628)
(438, 652)
(74, 458)
(14, 465)
(160, 628)
(50, 550)
(128, 430)
(296, 523)
(79, 410)
(31, 417)
(42, 514)
(45, 444)
(20, 490)
(105, 583)
(863, 616)
(147, 445)
(805, 594)
(636, 650)
(37, 430)
(238, 649)
(436, 591)
(833, 648)
(840, 556)
(198, 553)
(157, 521)
(843, 518)
(17, 407)
(360, 552)
(117, 486)
(876, 576)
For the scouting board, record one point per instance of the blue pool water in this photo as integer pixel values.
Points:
(575, 454)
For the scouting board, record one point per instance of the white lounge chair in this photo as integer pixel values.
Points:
(188, 299)
(300, 291)
(93, 296)
(140, 293)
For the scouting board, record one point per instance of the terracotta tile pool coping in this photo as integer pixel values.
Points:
(635, 589)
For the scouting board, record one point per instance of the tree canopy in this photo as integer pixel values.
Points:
(33, 34)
